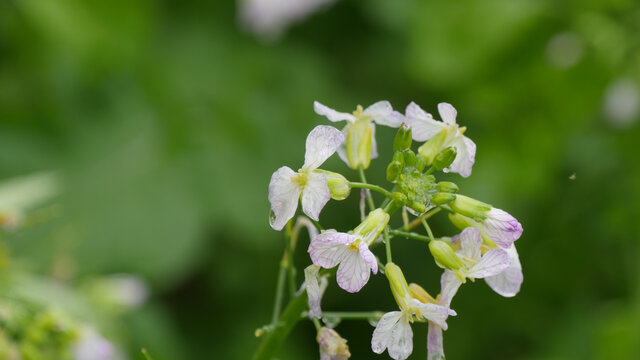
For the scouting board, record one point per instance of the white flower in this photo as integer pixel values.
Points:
(496, 225)
(477, 265)
(360, 145)
(315, 287)
(424, 127)
(508, 282)
(332, 345)
(287, 186)
(93, 346)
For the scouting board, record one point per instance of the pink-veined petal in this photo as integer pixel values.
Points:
(353, 272)
(435, 350)
(374, 143)
(423, 126)
(508, 282)
(315, 194)
(382, 333)
(368, 257)
(314, 290)
(382, 113)
(401, 342)
(465, 155)
(321, 143)
(329, 248)
(449, 285)
(493, 262)
(331, 114)
(470, 241)
(501, 227)
(342, 149)
(448, 113)
(283, 196)
(433, 312)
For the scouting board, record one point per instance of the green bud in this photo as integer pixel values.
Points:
(403, 138)
(409, 157)
(421, 163)
(431, 148)
(393, 171)
(469, 207)
(358, 144)
(460, 221)
(447, 186)
(339, 186)
(444, 255)
(399, 157)
(418, 292)
(417, 207)
(442, 198)
(372, 226)
(444, 158)
(399, 198)
(399, 286)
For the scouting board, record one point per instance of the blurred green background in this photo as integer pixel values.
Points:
(164, 120)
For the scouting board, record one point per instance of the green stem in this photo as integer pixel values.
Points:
(289, 261)
(353, 315)
(426, 226)
(316, 323)
(409, 235)
(273, 340)
(387, 243)
(368, 196)
(279, 290)
(381, 190)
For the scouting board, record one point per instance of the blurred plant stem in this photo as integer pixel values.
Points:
(273, 340)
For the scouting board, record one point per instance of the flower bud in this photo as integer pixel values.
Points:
(444, 255)
(460, 221)
(442, 198)
(358, 144)
(409, 157)
(421, 294)
(431, 148)
(403, 138)
(444, 158)
(421, 163)
(372, 226)
(393, 171)
(339, 186)
(447, 186)
(399, 198)
(332, 345)
(399, 286)
(469, 207)
(417, 207)
(399, 157)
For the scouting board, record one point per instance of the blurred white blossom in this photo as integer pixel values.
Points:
(271, 18)
(622, 103)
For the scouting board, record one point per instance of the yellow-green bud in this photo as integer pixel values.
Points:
(409, 157)
(469, 207)
(444, 158)
(359, 143)
(399, 198)
(399, 286)
(393, 171)
(431, 148)
(460, 221)
(421, 294)
(339, 186)
(442, 198)
(447, 186)
(403, 138)
(421, 162)
(372, 226)
(399, 157)
(417, 207)
(444, 255)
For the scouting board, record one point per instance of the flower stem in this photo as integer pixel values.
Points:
(368, 196)
(425, 216)
(279, 290)
(288, 260)
(381, 190)
(409, 235)
(426, 226)
(387, 243)
(316, 323)
(273, 340)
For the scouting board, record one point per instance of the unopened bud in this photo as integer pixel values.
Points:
(417, 207)
(444, 255)
(339, 186)
(372, 226)
(403, 138)
(409, 157)
(469, 207)
(399, 286)
(447, 186)
(399, 198)
(393, 171)
(332, 345)
(421, 163)
(421, 294)
(431, 148)
(444, 158)
(442, 198)
(358, 144)
(459, 221)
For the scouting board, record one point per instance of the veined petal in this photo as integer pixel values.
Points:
(449, 285)
(501, 227)
(432, 312)
(312, 283)
(315, 194)
(423, 126)
(321, 143)
(508, 282)
(401, 342)
(353, 272)
(331, 114)
(493, 262)
(382, 333)
(465, 157)
(329, 248)
(342, 149)
(448, 113)
(470, 241)
(368, 257)
(283, 196)
(374, 143)
(382, 113)
(435, 350)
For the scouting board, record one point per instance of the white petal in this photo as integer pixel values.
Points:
(501, 227)
(329, 248)
(465, 157)
(449, 285)
(331, 114)
(322, 142)
(382, 333)
(508, 282)
(470, 242)
(342, 149)
(283, 196)
(448, 113)
(374, 143)
(423, 126)
(493, 262)
(436, 313)
(368, 257)
(314, 290)
(435, 350)
(401, 342)
(382, 113)
(315, 194)
(353, 272)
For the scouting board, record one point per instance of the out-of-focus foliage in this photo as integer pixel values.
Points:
(163, 121)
